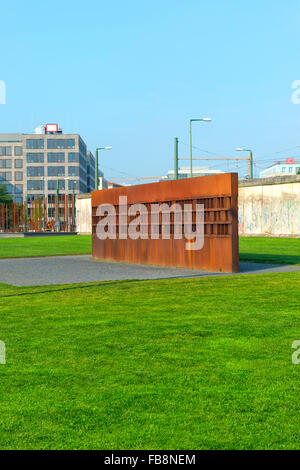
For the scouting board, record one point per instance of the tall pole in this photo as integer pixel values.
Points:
(250, 161)
(73, 207)
(176, 158)
(251, 165)
(97, 165)
(56, 205)
(96, 171)
(191, 150)
(191, 143)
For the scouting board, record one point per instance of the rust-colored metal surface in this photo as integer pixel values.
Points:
(219, 196)
(39, 215)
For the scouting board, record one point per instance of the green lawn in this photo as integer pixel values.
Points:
(172, 364)
(261, 250)
(270, 250)
(45, 246)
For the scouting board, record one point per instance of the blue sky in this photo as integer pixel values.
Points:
(131, 74)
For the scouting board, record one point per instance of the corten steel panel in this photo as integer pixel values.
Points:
(218, 193)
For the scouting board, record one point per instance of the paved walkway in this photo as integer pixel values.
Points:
(77, 269)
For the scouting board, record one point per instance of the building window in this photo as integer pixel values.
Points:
(73, 157)
(18, 151)
(55, 144)
(18, 163)
(52, 184)
(82, 187)
(283, 169)
(82, 161)
(56, 171)
(5, 176)
(73, 171)
(35, 185)
(56, 157)
(5, 163)
(73, 185)
(35, 158)
(18, 188)
(32, 197)
(18, 175)
(82, 146)
(61, 143)
(82, 174)
(18, 199)
(35, 143)
(5, 151)
(35, 171)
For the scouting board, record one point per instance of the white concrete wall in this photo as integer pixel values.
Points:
(266, 207)
(270, 209)
(83, 214)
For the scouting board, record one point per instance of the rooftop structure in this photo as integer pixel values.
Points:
(281, 168)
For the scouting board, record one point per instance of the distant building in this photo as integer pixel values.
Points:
(184, 172)
(284, 168)
(102, 182)
(90, 172)
(33, 165)
(112, 185)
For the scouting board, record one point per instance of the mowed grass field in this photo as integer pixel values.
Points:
(270, 250)
(172, 364)
(255, 249)
(45, 246)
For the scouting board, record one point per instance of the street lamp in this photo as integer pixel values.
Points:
(69, 178)
(250, 171)
(191, 146)
(96, 165)
(57, 205)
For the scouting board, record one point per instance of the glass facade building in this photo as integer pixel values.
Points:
(32, 165)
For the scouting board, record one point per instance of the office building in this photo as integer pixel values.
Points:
(35, 165)
(184, 172)
(284, 168)
(90, 172)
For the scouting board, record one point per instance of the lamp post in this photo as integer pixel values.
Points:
(176, 158)
(73, 208)
(191, 145)
(57, 204)
(69, 178)
(97, 163)
(250, 166)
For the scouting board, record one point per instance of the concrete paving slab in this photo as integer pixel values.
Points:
(82, 269)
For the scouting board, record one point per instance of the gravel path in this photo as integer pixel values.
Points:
(78, 269)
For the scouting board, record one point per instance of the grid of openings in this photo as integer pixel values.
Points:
(170, 217)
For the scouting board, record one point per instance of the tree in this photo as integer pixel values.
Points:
(298, 172)
(4, 196)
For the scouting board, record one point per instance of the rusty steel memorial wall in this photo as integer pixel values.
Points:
(190, 223)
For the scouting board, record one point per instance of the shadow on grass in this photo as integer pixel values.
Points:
(270, 259)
